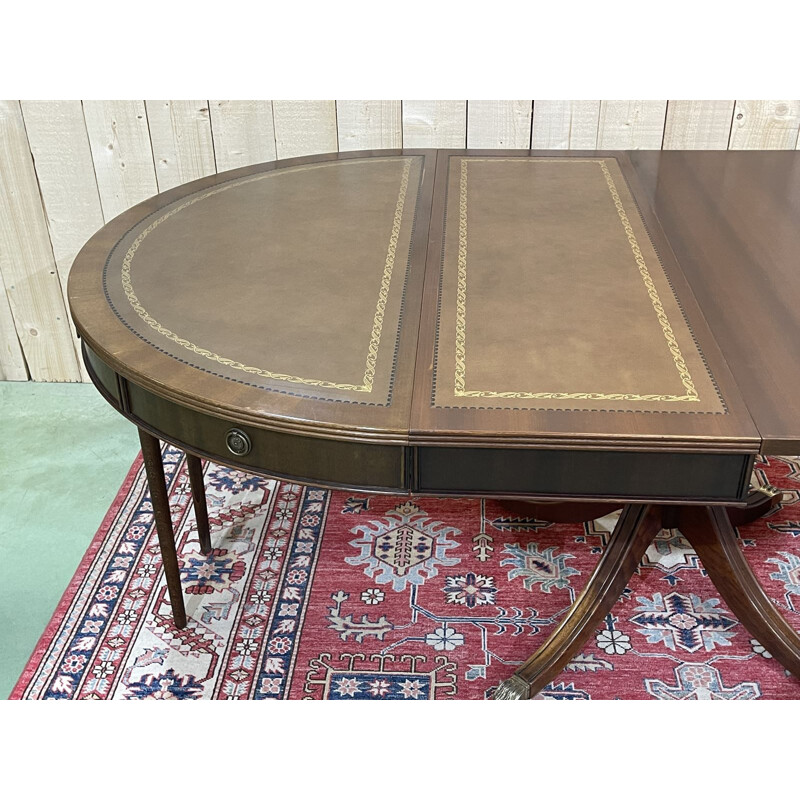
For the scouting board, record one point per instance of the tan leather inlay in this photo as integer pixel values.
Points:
(554, 298)
(290, 279)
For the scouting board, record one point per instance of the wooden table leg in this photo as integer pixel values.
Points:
(633, 533)
(711, 534)
(195, 467)
(154, 467)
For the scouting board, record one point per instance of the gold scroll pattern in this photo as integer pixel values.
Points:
(380, 309)
(461, 307)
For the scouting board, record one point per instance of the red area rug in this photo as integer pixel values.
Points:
(313, 594)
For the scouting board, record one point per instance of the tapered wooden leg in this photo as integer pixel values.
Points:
(711, 534)
(635, 529)
(199, 498)
(154, 467)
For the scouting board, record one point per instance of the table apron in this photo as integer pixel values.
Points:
(545, 474)
(625, 476)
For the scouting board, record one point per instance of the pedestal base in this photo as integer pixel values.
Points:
(710, 531)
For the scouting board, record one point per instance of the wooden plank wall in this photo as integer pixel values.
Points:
(67, 167)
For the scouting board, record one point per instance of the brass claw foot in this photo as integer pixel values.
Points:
(513, 688)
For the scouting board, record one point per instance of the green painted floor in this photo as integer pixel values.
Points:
(64, 453)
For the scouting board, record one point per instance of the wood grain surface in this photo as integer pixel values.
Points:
(68, 185)
(32, 283)
(12, 362)
(304, 126)
(731, 219)
(565, 124)
(122, 153)
(369, 124)
(180, 131)
(698, 125)
(631, 124)
(434, 123)
(243, 131)
(499, 123)
(765, 125)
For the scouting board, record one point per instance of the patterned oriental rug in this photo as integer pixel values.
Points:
(316, 594)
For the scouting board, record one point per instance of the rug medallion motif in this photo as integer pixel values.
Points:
(318, 594)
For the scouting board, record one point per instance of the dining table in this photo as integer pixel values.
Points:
(581, 332)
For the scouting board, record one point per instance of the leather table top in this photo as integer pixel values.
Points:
(470, 297)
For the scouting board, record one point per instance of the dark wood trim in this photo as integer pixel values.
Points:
(110, 396)
(102, 375)
(638, 476)
(407, 466)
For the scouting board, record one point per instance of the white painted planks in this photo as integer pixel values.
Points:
(698, 124)
(63, 160)
(12, 362)
(121, 151)
(765, 125)
(631, 124)
(434, 123)
(180, 134)
(369, 124)
(304, 127)
(243, 132)
(27, 264)
(499, 124)
(565, 124)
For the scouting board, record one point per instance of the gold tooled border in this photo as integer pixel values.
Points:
(380, 308)
(461, 303)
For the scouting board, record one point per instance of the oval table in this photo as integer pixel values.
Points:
(493, 323)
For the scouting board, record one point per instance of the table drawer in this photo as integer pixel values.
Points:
(305, 459)
(624, 475)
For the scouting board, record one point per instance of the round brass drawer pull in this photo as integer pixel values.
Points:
(238, 442)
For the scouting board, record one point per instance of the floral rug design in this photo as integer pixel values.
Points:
(317, 594)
